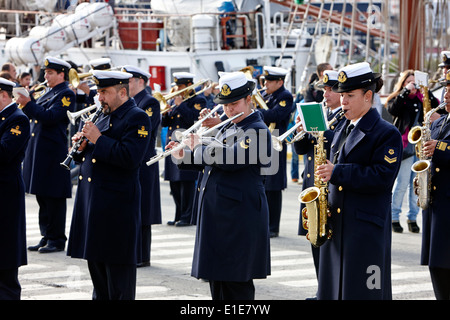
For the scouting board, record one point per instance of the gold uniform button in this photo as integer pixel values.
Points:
(170, 128)
(82, 160)
(340, 188)
(110, 125)
(94, 161)
(89, 179)
(338, 210)
(178, 127)
(31, 120)
(32, 134)
(437, 169)
(80, 177)
(35, 121)
(434, 187)
(309, 158)
(308, 175)
(3, 118)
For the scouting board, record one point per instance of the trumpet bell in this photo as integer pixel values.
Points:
(277, 144)
(73, 116)
(75, 77)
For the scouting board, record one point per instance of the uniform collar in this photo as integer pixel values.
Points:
(122, 110)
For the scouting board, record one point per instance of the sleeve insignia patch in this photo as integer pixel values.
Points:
(16, 131)
(283, 103)
(441, 145)
(149, 112)
(390, 157)
(66, 101)
(197, 106)
(245, 143)
(142, 132)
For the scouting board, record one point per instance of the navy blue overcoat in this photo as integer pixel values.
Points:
(14, 136)
(360, 194)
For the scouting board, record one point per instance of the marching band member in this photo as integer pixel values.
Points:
(305, 146)
(14, 137)
(435, 238)
(43, 174)
(182, 116)
(232, 242)
(148, 175)
(356, 262)
(279, 103)
(106, 214)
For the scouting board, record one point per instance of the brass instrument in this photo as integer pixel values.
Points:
(164, 106)
(39, 90)
(257, 98)
(182, 145)
(277, 142)
(73, 116)
(316, 211)
(75, 77)
(422, 181)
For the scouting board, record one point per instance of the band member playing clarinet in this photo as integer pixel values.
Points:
(436, 219)
(365, 157)
(105, 222)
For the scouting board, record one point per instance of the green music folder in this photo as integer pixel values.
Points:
(312, 116)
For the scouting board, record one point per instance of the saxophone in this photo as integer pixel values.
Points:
(422, 181)
(316, 211)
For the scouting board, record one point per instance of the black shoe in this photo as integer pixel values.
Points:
(273, 234)
(143, 264)
(396, 227)
(50, 248)
(171, 223)
(413, 227)
(182, 224)
(41, 243)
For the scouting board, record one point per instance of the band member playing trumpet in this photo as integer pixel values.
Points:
(435, 238)
(185, 112)
(148, 175)
(232, 242)
(365, 158)
(14, 136)
(305, 146)
(43, 175)
(105, 222)
(279, 103)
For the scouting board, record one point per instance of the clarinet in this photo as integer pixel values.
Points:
(76, 145)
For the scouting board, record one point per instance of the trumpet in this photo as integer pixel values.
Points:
(180, 135)
(277, 142)
(73, 116)
(182, 145)
(163, 99)
(75, 77)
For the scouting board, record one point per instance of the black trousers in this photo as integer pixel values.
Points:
(183, 193)
(230, 290)
(440, 278)
(52, 219)
(274, 201)
(112, 281)
(9, 284)
(146, 242)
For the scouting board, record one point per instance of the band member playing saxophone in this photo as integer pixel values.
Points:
(435, 238)
(365, 157)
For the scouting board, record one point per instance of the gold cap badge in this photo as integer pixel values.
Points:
(225, 91)
(342, 77)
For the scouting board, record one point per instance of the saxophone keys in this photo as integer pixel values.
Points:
(305, 224)
(305, 213)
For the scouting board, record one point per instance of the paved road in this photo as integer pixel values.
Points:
(58, 277)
